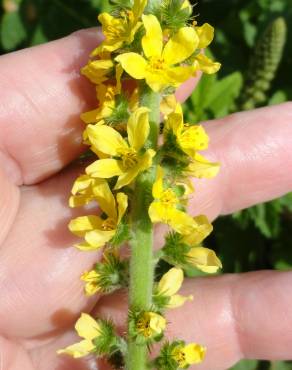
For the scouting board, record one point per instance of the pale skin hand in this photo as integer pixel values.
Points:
(42, 95)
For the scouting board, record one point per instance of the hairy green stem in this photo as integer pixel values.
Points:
(142, 264)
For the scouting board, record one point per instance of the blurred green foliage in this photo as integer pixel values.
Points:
(255, 50)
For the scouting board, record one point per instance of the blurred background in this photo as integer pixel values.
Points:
(254, 45)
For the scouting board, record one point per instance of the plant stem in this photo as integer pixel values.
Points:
(142, 265)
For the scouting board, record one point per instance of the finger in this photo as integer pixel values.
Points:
(38, 248)
(255, 150)
(40, 270)
(42, 102)
(234, 316)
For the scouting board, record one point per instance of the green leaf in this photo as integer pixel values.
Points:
(246, 365)
(224, 93)
(278, 98)
(12, 31)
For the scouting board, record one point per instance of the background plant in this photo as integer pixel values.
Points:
(264, 230)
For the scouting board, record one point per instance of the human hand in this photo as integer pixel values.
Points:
(235, 316)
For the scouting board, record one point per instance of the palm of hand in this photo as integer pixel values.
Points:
(41, 294)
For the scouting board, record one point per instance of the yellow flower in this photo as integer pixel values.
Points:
(199, 231)
(170, 284)
(202, 62)
(202, 168)
(164, 207)
(85, 190)
(97, 71)
(98, 231)
(187, 5)
(190, 139)
(151, 324)
(188, 355)
(122, 30)
(106, 97)
(88, 329)
(160, 68)
(128, 159)
(91, 279)
(204, 259)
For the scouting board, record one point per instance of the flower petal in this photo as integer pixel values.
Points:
(178, 300)
(206, 64)
(206, 35)
(138, 128)
(105, 199)
(78, 350)
(194, 353)
(201, 168)
(180, 221)
(98, 238)
(171, 282)
(157, 188)
(145, 161)
(178, 75)
(122, 201)
(138, 8)
(87, 327)
(105, 139)
(152, 42)
(200, 229)
(181, 46)
(105, 168)
(81, 225)
(204, 259)
(134, 64)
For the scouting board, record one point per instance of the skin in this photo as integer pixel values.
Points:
(235, 316)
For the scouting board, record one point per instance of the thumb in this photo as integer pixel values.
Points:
(9, 203)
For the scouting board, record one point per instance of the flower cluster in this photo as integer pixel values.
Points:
(137, 180)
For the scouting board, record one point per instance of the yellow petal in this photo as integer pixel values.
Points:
(194, 353)
(180, 221)
(204, 259)
(152, 42)
(206, 65)
(97, 71)
(138, 8)
(144, 162)
(81, 225)
(206, 35)
(138, 128)
(201, 168)
(119, 73)
(78, 350)
(157, 323)
(98, 238)
(122, 201)
(168, 104)
(174, 123)
(83, 182)
(187, 5)
(159, 79)
(134, 64)
(90, 117)
(105, 139)
(105, 198)
(79, 200)
(171, 282)
(157, 188)
(105, 168)
(178, 300)
(91, 278)
(181, 46)
(178, 75)
(200, 229)
(87, 327)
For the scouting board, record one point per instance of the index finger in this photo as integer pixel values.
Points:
(42, 97)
